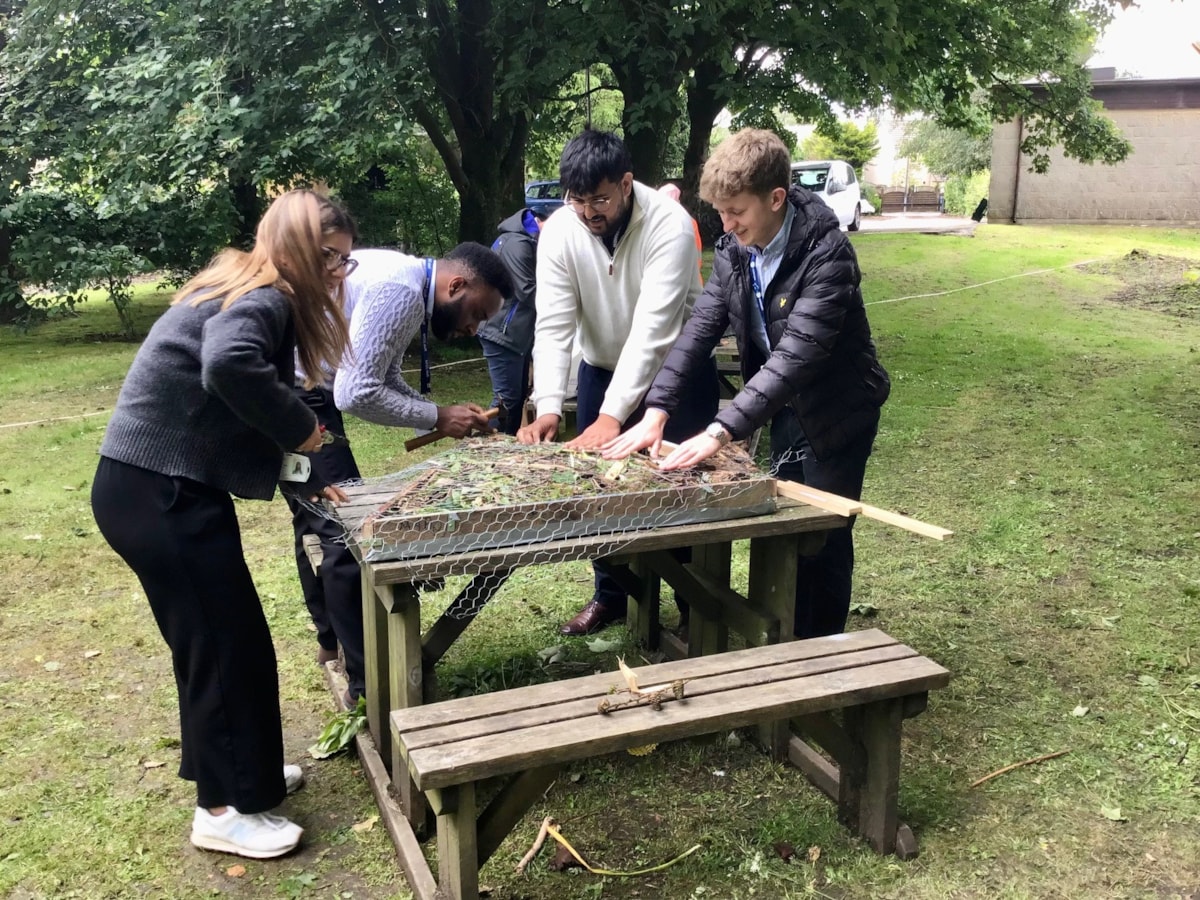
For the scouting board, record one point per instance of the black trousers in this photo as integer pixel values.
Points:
(334, 597)
(823, 581)
(182, 540)
(697, 409)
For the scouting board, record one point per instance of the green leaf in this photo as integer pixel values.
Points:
(339, 731)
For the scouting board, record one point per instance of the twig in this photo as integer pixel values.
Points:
(537, 844)
(1017, 765)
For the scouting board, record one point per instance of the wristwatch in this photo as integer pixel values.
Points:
(717, 432)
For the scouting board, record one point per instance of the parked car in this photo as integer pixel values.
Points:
(543, 197)
(835, 183)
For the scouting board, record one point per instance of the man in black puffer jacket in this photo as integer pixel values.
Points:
(787, 281)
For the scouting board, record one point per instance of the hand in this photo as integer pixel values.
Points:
(596, 435)
(332, 493)
(646, 433)
(692, 451)
(540, 430)
(459, 421)
(313, 443)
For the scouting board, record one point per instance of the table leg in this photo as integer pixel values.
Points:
(377, 662)
(643, 617)
(773, 567)
(707, 636)
(458, 853)
(869, 790)
(406, 687)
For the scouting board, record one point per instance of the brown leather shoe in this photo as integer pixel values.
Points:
(591, 618)
(326, 656)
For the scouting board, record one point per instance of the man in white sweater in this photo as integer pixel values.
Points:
(618, 265)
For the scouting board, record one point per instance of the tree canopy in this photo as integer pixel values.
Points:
(236, 97)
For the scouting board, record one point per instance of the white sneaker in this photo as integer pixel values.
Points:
(257, 835)
(293, 777)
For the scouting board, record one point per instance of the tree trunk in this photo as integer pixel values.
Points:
(249, 210)
(12, 300)
(704, 103)
(649, 110)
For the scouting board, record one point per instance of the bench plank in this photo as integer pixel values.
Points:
(565, 741)
(582, 706)
(485, 705)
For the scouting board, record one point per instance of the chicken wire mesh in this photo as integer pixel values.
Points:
(462, 521)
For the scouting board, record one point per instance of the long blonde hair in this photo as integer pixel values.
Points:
(287, 255)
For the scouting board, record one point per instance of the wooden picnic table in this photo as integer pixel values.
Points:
(400, 659)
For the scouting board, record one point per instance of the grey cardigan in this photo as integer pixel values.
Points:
(209, 396)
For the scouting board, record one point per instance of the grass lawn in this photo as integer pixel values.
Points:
(1049, 419)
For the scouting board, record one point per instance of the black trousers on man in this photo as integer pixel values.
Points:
(334, 596)
(182, 540)
(697, 408)
(823, 581)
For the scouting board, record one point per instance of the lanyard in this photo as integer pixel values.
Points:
(426, 370)
(756, 284)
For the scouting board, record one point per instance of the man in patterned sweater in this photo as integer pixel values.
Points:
(392, 301)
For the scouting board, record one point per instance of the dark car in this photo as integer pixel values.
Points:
(543, 197)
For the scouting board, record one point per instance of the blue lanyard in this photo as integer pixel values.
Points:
(426, 369)
(756, 284)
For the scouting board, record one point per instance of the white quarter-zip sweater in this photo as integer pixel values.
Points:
(628, 306)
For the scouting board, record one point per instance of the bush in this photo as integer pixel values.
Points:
(871, 195)
(963, 193)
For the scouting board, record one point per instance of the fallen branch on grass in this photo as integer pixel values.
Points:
(1017, 765)
(547, 824)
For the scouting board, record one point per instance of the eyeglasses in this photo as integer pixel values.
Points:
(335, 259)
(597, 204)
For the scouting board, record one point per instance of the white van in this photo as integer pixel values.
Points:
(833, 181)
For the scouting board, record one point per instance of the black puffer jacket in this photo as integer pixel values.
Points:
(823, 361)
(512, 326)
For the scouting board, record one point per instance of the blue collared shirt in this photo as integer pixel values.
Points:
(767, 262)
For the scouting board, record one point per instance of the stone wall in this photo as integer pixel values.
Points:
(1159, 182)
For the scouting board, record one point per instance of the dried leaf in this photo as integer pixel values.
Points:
(236, 871)
(90, 654)
(1112, 813)
(785, 851)
(630, 678)
(599, 645)
(814, 853)
(52, 666)
(365, 825)
(1080, 711)
(563, 860)
(153, 764)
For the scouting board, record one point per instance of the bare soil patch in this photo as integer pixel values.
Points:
(1154, 281)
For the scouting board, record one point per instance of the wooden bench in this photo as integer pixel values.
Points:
(529, 733)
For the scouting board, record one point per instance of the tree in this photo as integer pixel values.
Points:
(843, 140)
(946, 151)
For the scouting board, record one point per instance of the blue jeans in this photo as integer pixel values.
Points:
(697, 408)
(509, 371)
(822, 580)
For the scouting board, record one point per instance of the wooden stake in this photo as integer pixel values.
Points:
(547, 823)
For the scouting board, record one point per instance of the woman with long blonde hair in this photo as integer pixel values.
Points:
(207, 410)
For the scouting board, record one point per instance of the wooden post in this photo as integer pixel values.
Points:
(643, 617)
(773, 568)
(870, 788)
(376, 662)
(407, 688)
(458, 853)
(707, 636)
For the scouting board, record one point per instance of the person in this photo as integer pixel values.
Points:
(672, 192)
(618, 264)
(207, 411)
(507, 339)
(787, 280)
(389, 299)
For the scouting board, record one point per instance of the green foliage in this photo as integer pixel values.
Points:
(871, 196)
(340, 729)
(963, 192)
(406, 200)
(843, 140)
(566, 114)
(947, 151)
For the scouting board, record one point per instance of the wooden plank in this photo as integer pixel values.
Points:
(498, 702)
(404, 840)
(509, 806)
(821, 728)
(458, 854)
(406, 687)
(708, 597)
(743, 614)
(583, 709)
(844, 506)
(376, 663)
(708, 635)
(785, 520)
(563, 742)
(643, 619)
(816, 768)
(880, 737)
